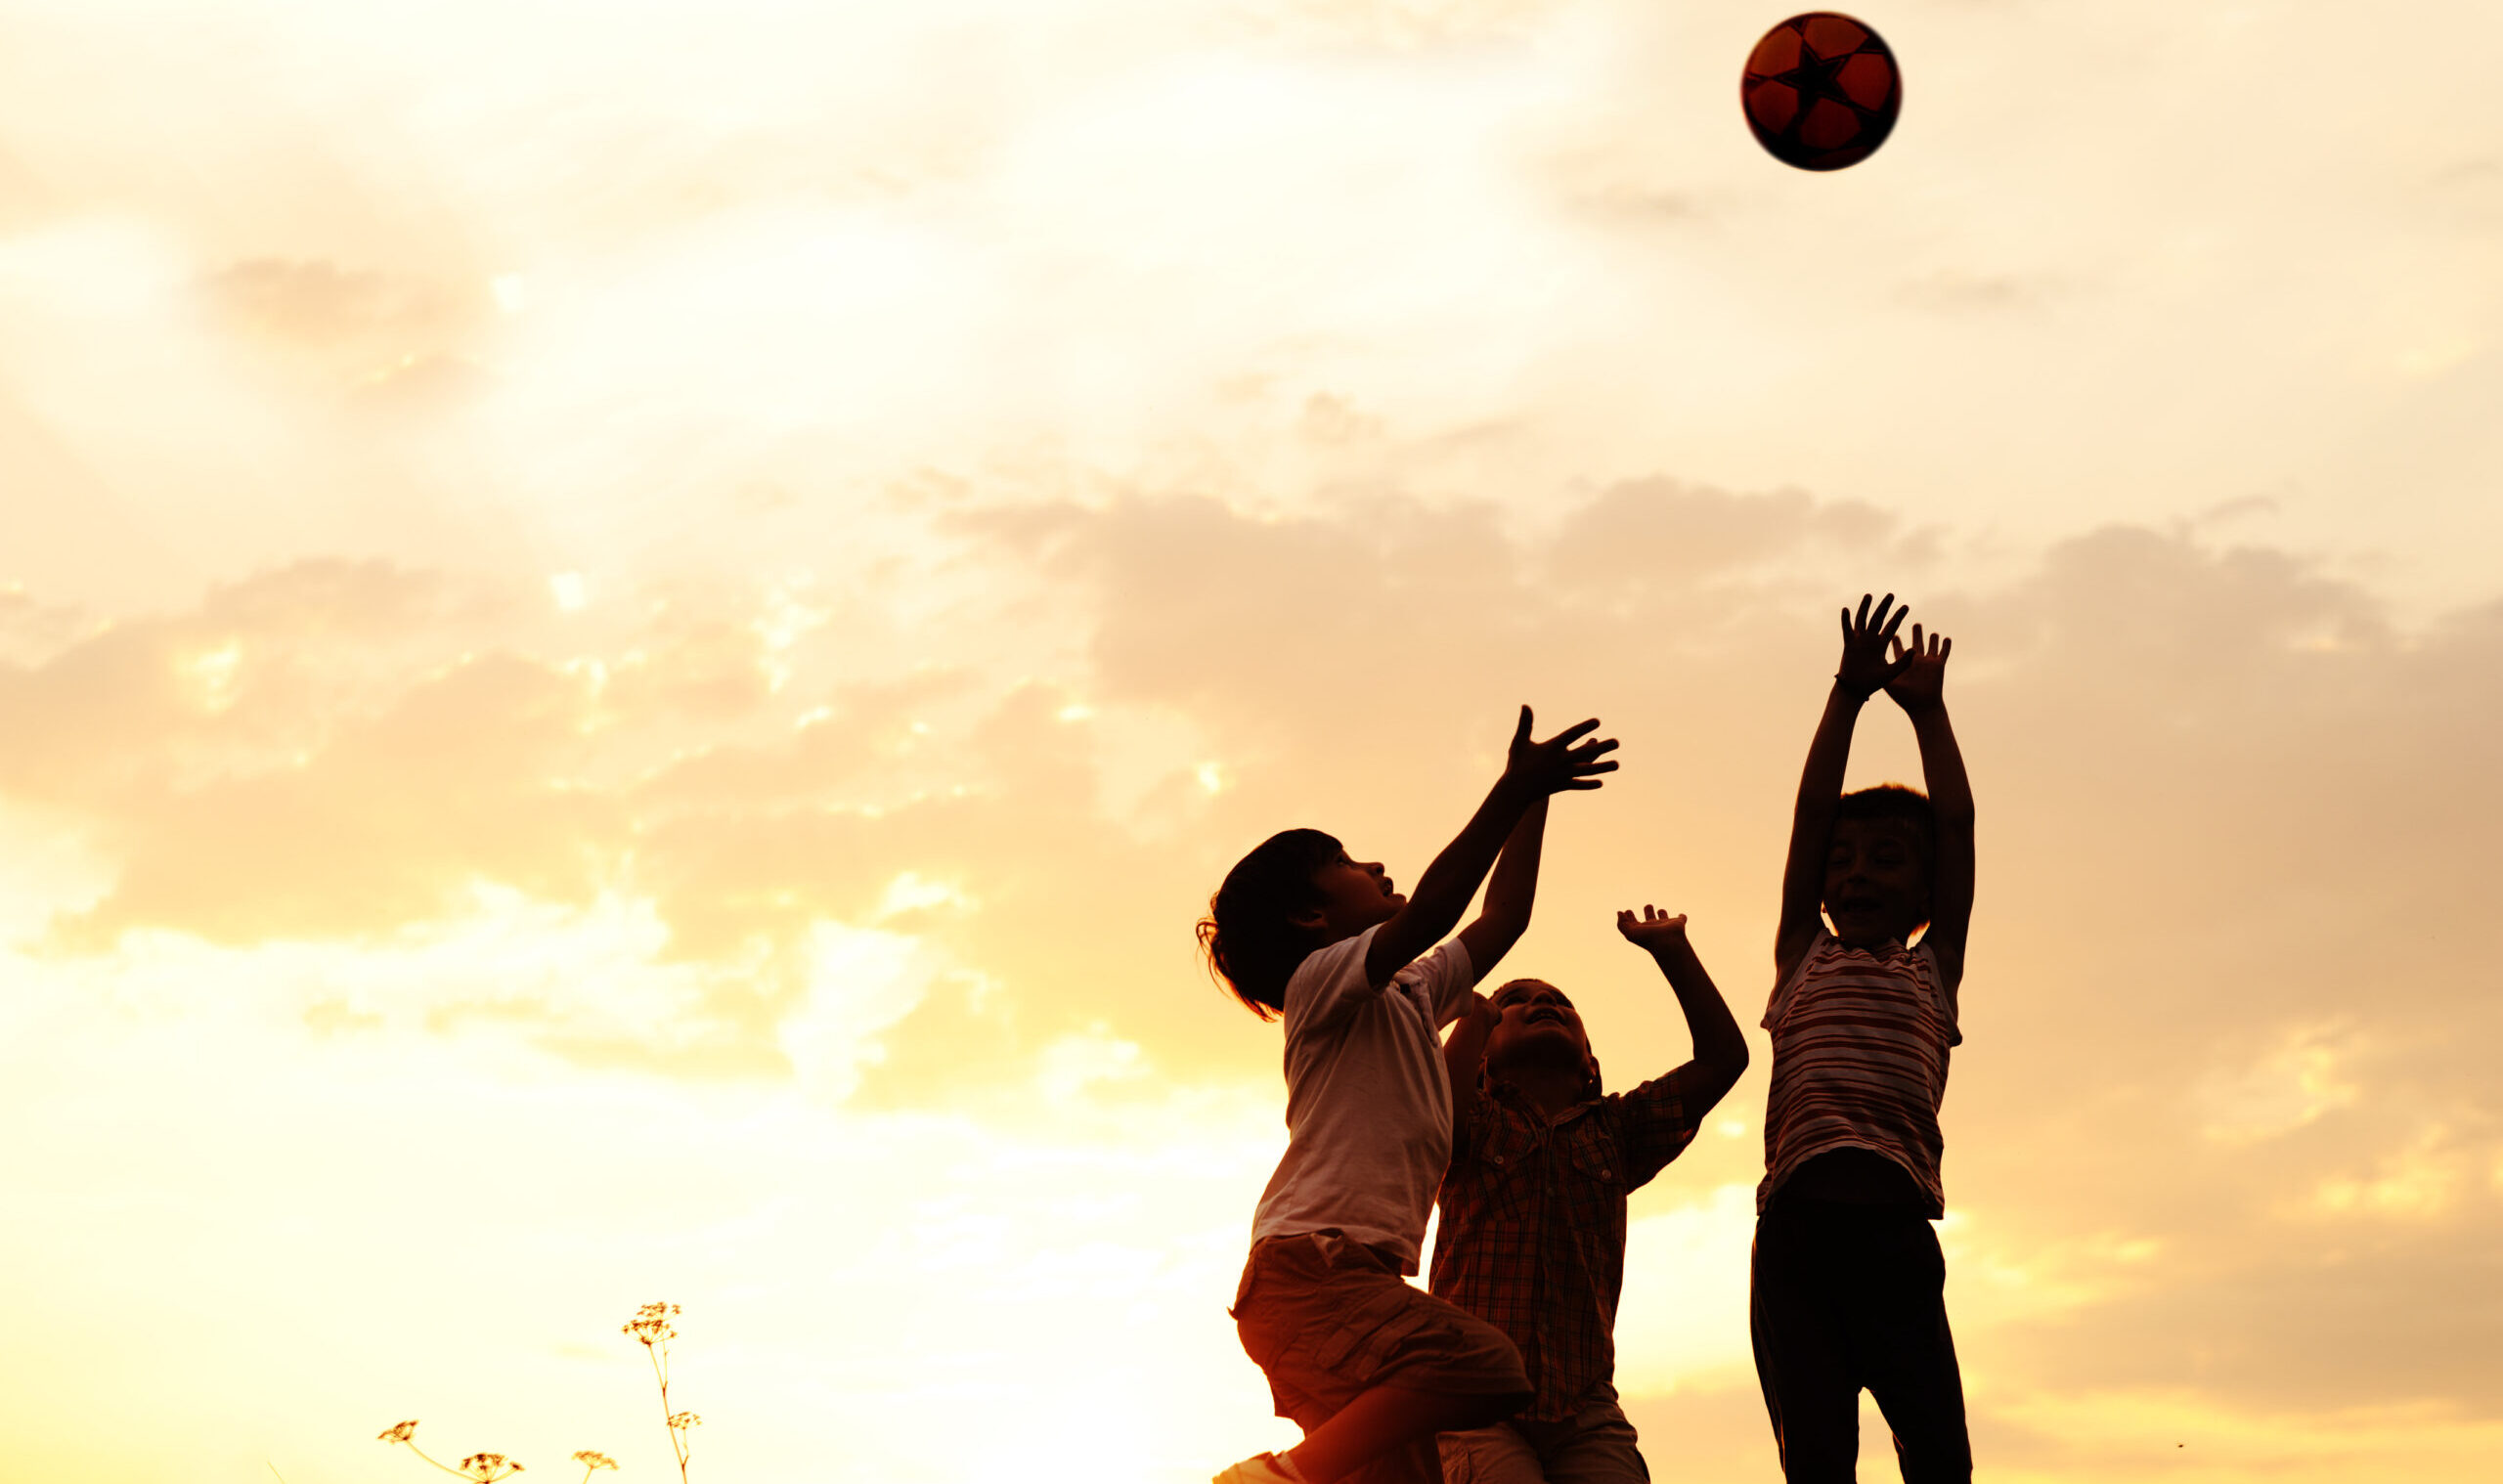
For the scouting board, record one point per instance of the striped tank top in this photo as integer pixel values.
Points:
(1859, 1043)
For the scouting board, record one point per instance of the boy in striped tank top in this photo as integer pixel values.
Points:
(1848, 1282)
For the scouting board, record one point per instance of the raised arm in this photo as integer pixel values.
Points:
(1866, 670)
(1921, 690)
(1532, 772)
(1720, 1047)
(1509, 893)
(1463, 1055)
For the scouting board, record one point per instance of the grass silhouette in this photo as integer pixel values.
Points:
(652, 1329)
(483, 1467)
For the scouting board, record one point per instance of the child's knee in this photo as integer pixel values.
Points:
(1488, 1410)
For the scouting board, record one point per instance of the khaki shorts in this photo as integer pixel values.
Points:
(1594, 1445)
(1328, 1319)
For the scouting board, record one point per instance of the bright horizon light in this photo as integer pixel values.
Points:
(632, 639)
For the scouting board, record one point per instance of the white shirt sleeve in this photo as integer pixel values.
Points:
(1329, 982)
(1446, 975)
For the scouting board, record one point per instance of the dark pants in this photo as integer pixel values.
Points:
(1853, 1296)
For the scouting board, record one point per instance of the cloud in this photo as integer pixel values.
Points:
(256, 674)
(2219, 1124)
(2227, 802)
(390, 340)
(1343, 320)
(2289, 1088)
(1391, 26)
(314, 752)
(63, 515)
(1655, 533)
(316, 302)
(355, 753)
(388, 824)
(1950, 290)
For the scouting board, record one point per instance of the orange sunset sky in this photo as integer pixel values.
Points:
(634, 632)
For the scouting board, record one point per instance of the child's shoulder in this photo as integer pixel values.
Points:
(1331, 981)
(1325, 971)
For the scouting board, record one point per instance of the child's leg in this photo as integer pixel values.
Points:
(1370, 1367)
(1803, 1349)
(1596, 1447)
(1495, 1454)
(1386, 1418)
(1910, 1353)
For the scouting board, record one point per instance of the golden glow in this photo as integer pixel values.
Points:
(630, 637)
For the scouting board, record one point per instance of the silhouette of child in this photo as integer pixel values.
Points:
(1370, 1367)
(1848, 1282)
(1533, 1207)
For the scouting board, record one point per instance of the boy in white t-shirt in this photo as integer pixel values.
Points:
(1368, 1364)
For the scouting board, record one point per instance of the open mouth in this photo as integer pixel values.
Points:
(1546, 1012)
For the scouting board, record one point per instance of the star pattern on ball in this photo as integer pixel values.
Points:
(1819, 77)
(1820, 91)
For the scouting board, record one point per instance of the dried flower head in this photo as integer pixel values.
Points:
(650, 1324)
(487, 1467)
(590, 1461)
(398, 1432)
(680, 1421)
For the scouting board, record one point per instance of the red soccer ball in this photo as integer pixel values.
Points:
(1821, 91)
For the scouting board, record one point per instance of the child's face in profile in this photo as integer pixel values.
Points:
(1353, 896)
(1875, 887)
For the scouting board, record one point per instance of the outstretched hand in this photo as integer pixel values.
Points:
(1921, 675)
(1865, 668)
(1653, 930)
(1561, 763)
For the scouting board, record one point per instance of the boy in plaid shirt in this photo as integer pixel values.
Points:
(1533, 1206)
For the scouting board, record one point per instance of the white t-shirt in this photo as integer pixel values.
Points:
(1368, 1102)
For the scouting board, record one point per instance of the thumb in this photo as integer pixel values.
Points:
(1520, 733)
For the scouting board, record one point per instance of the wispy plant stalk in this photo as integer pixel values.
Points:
(652, 1329)
(478, 1468)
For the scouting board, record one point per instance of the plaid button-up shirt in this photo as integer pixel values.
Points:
(1533, 1225)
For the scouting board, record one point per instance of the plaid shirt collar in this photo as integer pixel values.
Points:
(1513, 1098)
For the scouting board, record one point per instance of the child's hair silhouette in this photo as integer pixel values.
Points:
(1897, 804)
(1250, 935)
